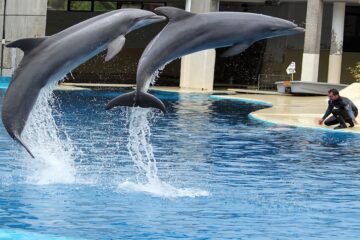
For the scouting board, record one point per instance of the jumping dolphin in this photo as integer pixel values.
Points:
(49, 59)
(188, 32)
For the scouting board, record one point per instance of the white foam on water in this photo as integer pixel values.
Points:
(159, 188)
(141, 152)
(53, 150)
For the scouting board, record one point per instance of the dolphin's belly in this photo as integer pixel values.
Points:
(61, 68)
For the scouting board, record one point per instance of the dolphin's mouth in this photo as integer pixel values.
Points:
(290, 31)
(286, 32)
(157, 18)
(298, 30)
(148, 21)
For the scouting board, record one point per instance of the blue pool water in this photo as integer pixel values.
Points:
(4, 82)
(223, 176)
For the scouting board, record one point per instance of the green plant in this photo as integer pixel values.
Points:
(57, 4)
(355, 71)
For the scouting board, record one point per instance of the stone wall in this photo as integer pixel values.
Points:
(20, 19)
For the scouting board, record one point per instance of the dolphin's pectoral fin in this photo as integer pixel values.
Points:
(115, 47)
(26, 44)
(236, 49)
(173, 13)
(18, 138)
(136, 99)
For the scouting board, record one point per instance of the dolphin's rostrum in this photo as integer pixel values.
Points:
(49, 59)
(187, 33)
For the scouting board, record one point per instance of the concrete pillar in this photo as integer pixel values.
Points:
(23, 19)
(197, 70)
(337, 39)
(311, 55)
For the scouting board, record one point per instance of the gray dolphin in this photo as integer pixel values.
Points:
(190, 32)
(49, 59)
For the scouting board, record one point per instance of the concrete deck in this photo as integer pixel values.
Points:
(97, 85)
(70, 88)
(157, 88)
(237, 90)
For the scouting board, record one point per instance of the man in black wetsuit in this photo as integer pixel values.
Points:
(343, 110)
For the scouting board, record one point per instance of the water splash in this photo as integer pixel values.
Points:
(139, 121)
(154, 77)
(53, 150)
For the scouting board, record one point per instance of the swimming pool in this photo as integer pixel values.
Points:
(232, 177)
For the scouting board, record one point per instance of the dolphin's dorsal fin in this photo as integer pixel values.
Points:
(236, 49)
(26, 44)
(115, 47)
(173, 13)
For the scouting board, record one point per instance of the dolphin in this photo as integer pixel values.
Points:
(187, 33)
(48, 59)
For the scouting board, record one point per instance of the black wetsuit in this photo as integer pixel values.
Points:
(343, 110)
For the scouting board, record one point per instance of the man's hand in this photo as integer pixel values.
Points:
(321, 121)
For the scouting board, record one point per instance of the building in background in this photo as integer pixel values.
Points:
(333, 32)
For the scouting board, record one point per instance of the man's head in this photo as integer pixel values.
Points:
(333, 94)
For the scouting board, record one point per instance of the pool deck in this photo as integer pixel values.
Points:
(299, 111)
(291, 110)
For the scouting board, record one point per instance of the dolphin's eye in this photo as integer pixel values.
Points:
(273, 29)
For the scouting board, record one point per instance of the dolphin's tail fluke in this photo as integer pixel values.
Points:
(18, 138)
(136, 99)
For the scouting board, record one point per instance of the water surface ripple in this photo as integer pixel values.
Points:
(263, 182)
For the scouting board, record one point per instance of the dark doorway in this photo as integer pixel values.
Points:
(352, 29)
(241, 70)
